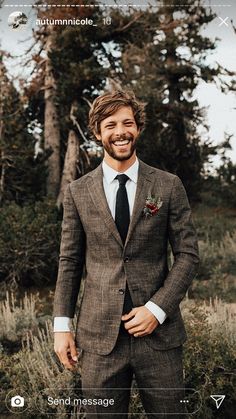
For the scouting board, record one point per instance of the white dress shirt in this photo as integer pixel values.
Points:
(111, 185)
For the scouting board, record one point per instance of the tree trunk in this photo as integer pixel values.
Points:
(51, 123)
(70, 164)
(2, 178)
(2, 93)
(179, 140)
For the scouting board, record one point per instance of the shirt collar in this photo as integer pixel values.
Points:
(110, 174)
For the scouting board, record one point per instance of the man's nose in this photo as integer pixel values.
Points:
(119, 130)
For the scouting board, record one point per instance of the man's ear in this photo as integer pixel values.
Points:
(98, 137)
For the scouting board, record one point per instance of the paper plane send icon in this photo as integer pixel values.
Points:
(218, 398)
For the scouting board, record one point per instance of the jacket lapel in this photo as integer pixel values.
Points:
(96, 191)
(98, 196)
(144, 185)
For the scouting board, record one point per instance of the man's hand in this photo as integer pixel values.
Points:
(64, 346)
(142, 322)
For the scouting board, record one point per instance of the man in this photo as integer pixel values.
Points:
(117, 222)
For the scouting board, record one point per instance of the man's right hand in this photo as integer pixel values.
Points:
(64, 346)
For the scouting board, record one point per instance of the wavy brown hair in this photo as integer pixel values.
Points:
(108, 103)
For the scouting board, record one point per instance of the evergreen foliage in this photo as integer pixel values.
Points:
(22, 175)
(164, 68)
(29, 243)
(161, 53)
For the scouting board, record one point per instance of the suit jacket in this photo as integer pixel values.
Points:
(91, 244)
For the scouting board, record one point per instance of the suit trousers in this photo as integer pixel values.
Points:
(158, 375)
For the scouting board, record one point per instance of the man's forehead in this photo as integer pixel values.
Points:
(125, 112)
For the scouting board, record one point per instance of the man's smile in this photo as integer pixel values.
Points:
(121, 142)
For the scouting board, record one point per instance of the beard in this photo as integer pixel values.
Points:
(111, 148)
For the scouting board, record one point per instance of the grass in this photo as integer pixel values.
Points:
(35, 369)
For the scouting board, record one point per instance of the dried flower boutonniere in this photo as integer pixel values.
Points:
(152, 206)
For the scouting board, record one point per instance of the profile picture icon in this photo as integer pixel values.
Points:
(17, 20)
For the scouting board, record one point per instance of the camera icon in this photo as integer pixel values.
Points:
(17, 401)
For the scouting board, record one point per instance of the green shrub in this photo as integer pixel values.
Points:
(217, 258)
(213, 223)
(29, 243)
(209, 356)
(220, 284)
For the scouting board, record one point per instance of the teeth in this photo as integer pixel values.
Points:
(121, 142)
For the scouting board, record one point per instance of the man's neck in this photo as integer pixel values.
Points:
(119, 166)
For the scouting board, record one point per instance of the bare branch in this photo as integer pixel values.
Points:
(73, 110)
(86, 100)
(130, 23)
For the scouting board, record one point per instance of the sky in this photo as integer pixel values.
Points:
(220, 107)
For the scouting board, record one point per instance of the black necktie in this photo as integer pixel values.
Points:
(122, 208)
(122, 218)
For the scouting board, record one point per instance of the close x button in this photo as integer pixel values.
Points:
(121, 291)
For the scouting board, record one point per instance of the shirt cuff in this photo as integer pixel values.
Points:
(62, 324)
(156, 311)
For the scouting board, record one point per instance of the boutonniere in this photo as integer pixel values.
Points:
(152, 206)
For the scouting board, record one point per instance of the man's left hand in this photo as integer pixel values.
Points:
(142, 322)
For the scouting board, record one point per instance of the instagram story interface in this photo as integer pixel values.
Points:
(117, 198)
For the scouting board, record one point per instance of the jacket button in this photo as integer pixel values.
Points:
(126, 259)
(121, 291)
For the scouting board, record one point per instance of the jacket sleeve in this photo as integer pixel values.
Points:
(183, 240)
(71, 259)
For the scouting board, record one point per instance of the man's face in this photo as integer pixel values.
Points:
(119, 133)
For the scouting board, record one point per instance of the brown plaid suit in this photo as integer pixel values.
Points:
(91, 242)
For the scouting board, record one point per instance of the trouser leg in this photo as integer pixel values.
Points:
(159, 376)
(108, 377)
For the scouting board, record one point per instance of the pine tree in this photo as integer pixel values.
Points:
(160, 53)
(21, 174)
(79, 63)
(164, 62)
